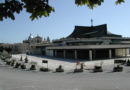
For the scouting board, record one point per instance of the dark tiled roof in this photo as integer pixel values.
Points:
(90, 32)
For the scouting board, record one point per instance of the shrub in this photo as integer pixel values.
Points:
(6, 55)
(60, 69)
(33, 67)
(3, 58)
(17, 65)
(78, 70)
(26, 60)
(44, 69)
(23, 66)
(97, 69)
(21, 59)
(13, 62)
(82, 66)
(118, 68)
(8, 62)
(128, 63)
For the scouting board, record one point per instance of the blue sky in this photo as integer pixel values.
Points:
(61, 23)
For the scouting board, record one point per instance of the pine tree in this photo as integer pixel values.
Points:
(21, 59)
(26, 59)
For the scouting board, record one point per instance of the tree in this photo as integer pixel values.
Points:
(21, 59)
(93, 3)
(38, 8)
(1, 48)
(26, 59)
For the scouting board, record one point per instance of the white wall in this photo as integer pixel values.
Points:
(121, 52)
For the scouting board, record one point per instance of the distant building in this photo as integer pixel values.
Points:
(32, 39)
(32, 45)
(36, 45)
(92, 42)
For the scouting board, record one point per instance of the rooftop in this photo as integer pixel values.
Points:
(91, 31)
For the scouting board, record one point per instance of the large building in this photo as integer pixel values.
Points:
(36, 45)
(89, 43)
(32, 45)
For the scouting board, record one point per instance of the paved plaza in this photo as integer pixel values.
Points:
(17, 79)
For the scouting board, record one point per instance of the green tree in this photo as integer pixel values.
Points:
(93, 3)
(38, 8)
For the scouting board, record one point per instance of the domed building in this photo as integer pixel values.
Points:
(32, 39)
(36, 45)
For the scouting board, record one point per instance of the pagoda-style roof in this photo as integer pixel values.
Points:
(91, 32)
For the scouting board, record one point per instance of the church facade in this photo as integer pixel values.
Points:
(89, 43)
(36, 45)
